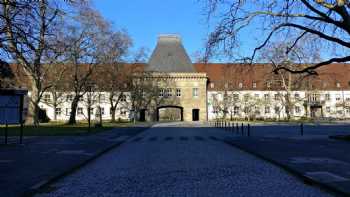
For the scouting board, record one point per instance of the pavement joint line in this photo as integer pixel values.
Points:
(292, 171)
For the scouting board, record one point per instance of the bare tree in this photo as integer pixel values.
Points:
(328, 22)
(25, 29)
(115, 49)
(84, 40)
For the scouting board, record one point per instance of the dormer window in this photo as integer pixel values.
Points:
(240, 85)
(268, 84)
(226, 85)
(212, 85)
(254, 84)
(338, 84)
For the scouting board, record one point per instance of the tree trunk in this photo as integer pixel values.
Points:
(113, 111)
(33, 110)
(73, 112)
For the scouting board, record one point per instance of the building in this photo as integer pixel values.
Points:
(198, 92)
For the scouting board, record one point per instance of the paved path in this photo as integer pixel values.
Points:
(25, 167)
(169, 161)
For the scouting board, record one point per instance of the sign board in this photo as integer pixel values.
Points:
(10, 109)
(11, 106)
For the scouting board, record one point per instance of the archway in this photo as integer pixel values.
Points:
(178, 108)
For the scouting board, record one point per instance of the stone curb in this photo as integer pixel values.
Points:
(36, 188)
(298, 174)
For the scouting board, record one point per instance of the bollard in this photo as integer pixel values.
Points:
(242, 127)
(6, 134)
(302, 129)
(21, 134)
(248, 130)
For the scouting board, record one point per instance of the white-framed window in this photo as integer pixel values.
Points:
(254, 84)
(257, 110)
(47, 98)
(347, 110)
(102, 98)
(327, 97)
(168, 92)
(240, 85)
(297, 96)
(338, 84)
(212, 85)
(236, 110)
(91, 111)
(268, 84)
(297, 109)
(246, 97)
(266, 97)
(277, 97)
(267, 109)
(58, 111)
(235, 97)
(178, 92)
(123, 112)
(195, 92)
(123, 98)
(102, 111)
(161, 93)
(338, 97)
(80, 111)
(68, 110)
(277, 110)
(69, 97)
(328, 109)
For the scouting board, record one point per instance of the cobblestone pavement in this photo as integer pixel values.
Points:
(191, 161)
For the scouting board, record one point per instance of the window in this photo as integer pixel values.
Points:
(347, 98)
(178, 92)
(246, 110)
(268, 84)
(58, 111)
(327, 97)
(168, 92)
(235, 97)
(337, 97)
(195, 92)
(161, 92)
(297, 109)
(240, 85)
(236, 110)
(102, 98)
(69, 97)
(347, 110)
(267, 109)
(277, 97)
(254, 84)
(68, 110)
(80, 111)
(337, 84)
(297, 96)
(267, 97)
(123, 112)
(246, 97)
(328, 109)
(257, 110)
(102, 111)
(92, 111)
(226, 85)
(123, 98)
(47, 98)
(212, 85)
(277, 110)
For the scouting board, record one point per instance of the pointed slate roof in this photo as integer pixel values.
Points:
(170, 56)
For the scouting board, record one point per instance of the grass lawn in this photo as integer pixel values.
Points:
(59, 129)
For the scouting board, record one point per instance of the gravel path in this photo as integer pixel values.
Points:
(180, 162)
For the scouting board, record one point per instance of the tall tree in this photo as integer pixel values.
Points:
(84, 39)
(327, 21)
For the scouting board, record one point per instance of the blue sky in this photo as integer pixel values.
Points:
(146, 19)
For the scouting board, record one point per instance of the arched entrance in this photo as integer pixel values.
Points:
(177, 110)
